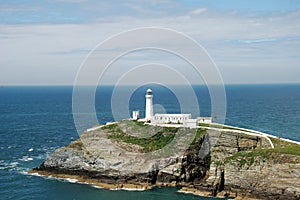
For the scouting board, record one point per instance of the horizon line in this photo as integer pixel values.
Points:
(109, 85)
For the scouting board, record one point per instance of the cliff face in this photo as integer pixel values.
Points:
(217, 163)
(242, 167)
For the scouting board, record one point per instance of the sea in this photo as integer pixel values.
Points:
(36, 120)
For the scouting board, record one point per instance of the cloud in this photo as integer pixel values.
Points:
(138, 8)
(71, 52)
(18, 9)
(261, 40)
(198, 11)
(243, 46)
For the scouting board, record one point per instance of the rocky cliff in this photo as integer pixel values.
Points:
(215, 162)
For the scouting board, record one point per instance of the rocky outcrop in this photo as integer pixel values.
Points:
(216, 163)
(265, 178)
(237, 171)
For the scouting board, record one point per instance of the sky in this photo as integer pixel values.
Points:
(251, 42)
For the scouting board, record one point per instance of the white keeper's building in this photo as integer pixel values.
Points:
(170, 118)
(184, 119)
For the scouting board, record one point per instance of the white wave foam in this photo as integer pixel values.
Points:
(13, 164)
(71, 180)
(39, 175)
(128, 189)
(39, 157)
(31, 149)
(9, 166)
(26, 158)
(24, 172)
(133, 189)
(2, 167)
(2, 164)
(98, 187)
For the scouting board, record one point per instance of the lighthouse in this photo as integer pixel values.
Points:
(149, 105)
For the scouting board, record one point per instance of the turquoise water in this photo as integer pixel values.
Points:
(34, 121)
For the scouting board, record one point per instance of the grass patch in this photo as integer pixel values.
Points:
(218, 163)
(110, 126)
(204, 125)
(280, 147)
(141, 124)
(246, 157)
(284, 147)
(195, 144)
(220, 126)
(170, 129)
(162, 136)
(200, 132)
(157, 141)
(265, 153)
(77, 144)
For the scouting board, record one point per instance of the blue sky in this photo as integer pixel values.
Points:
(87, 11)
(251, 41)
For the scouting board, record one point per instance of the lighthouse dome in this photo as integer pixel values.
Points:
(149, 91)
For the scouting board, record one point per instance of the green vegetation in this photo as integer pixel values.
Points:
(246, 157)
(170, 129)
(162, 135)
(284, 147)
(157, 141)
(77, 144)
(141, 124)
(220, 126)
(200, 132)
(218, 162)
(280, 147)
(110, 127)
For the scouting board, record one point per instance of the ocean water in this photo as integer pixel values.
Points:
(34, 121)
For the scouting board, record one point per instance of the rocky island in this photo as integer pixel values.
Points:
(220, 161)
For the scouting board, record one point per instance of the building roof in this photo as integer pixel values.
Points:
(149, 91)
(171, 115)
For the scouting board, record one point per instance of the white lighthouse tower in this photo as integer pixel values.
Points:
(149, 105)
